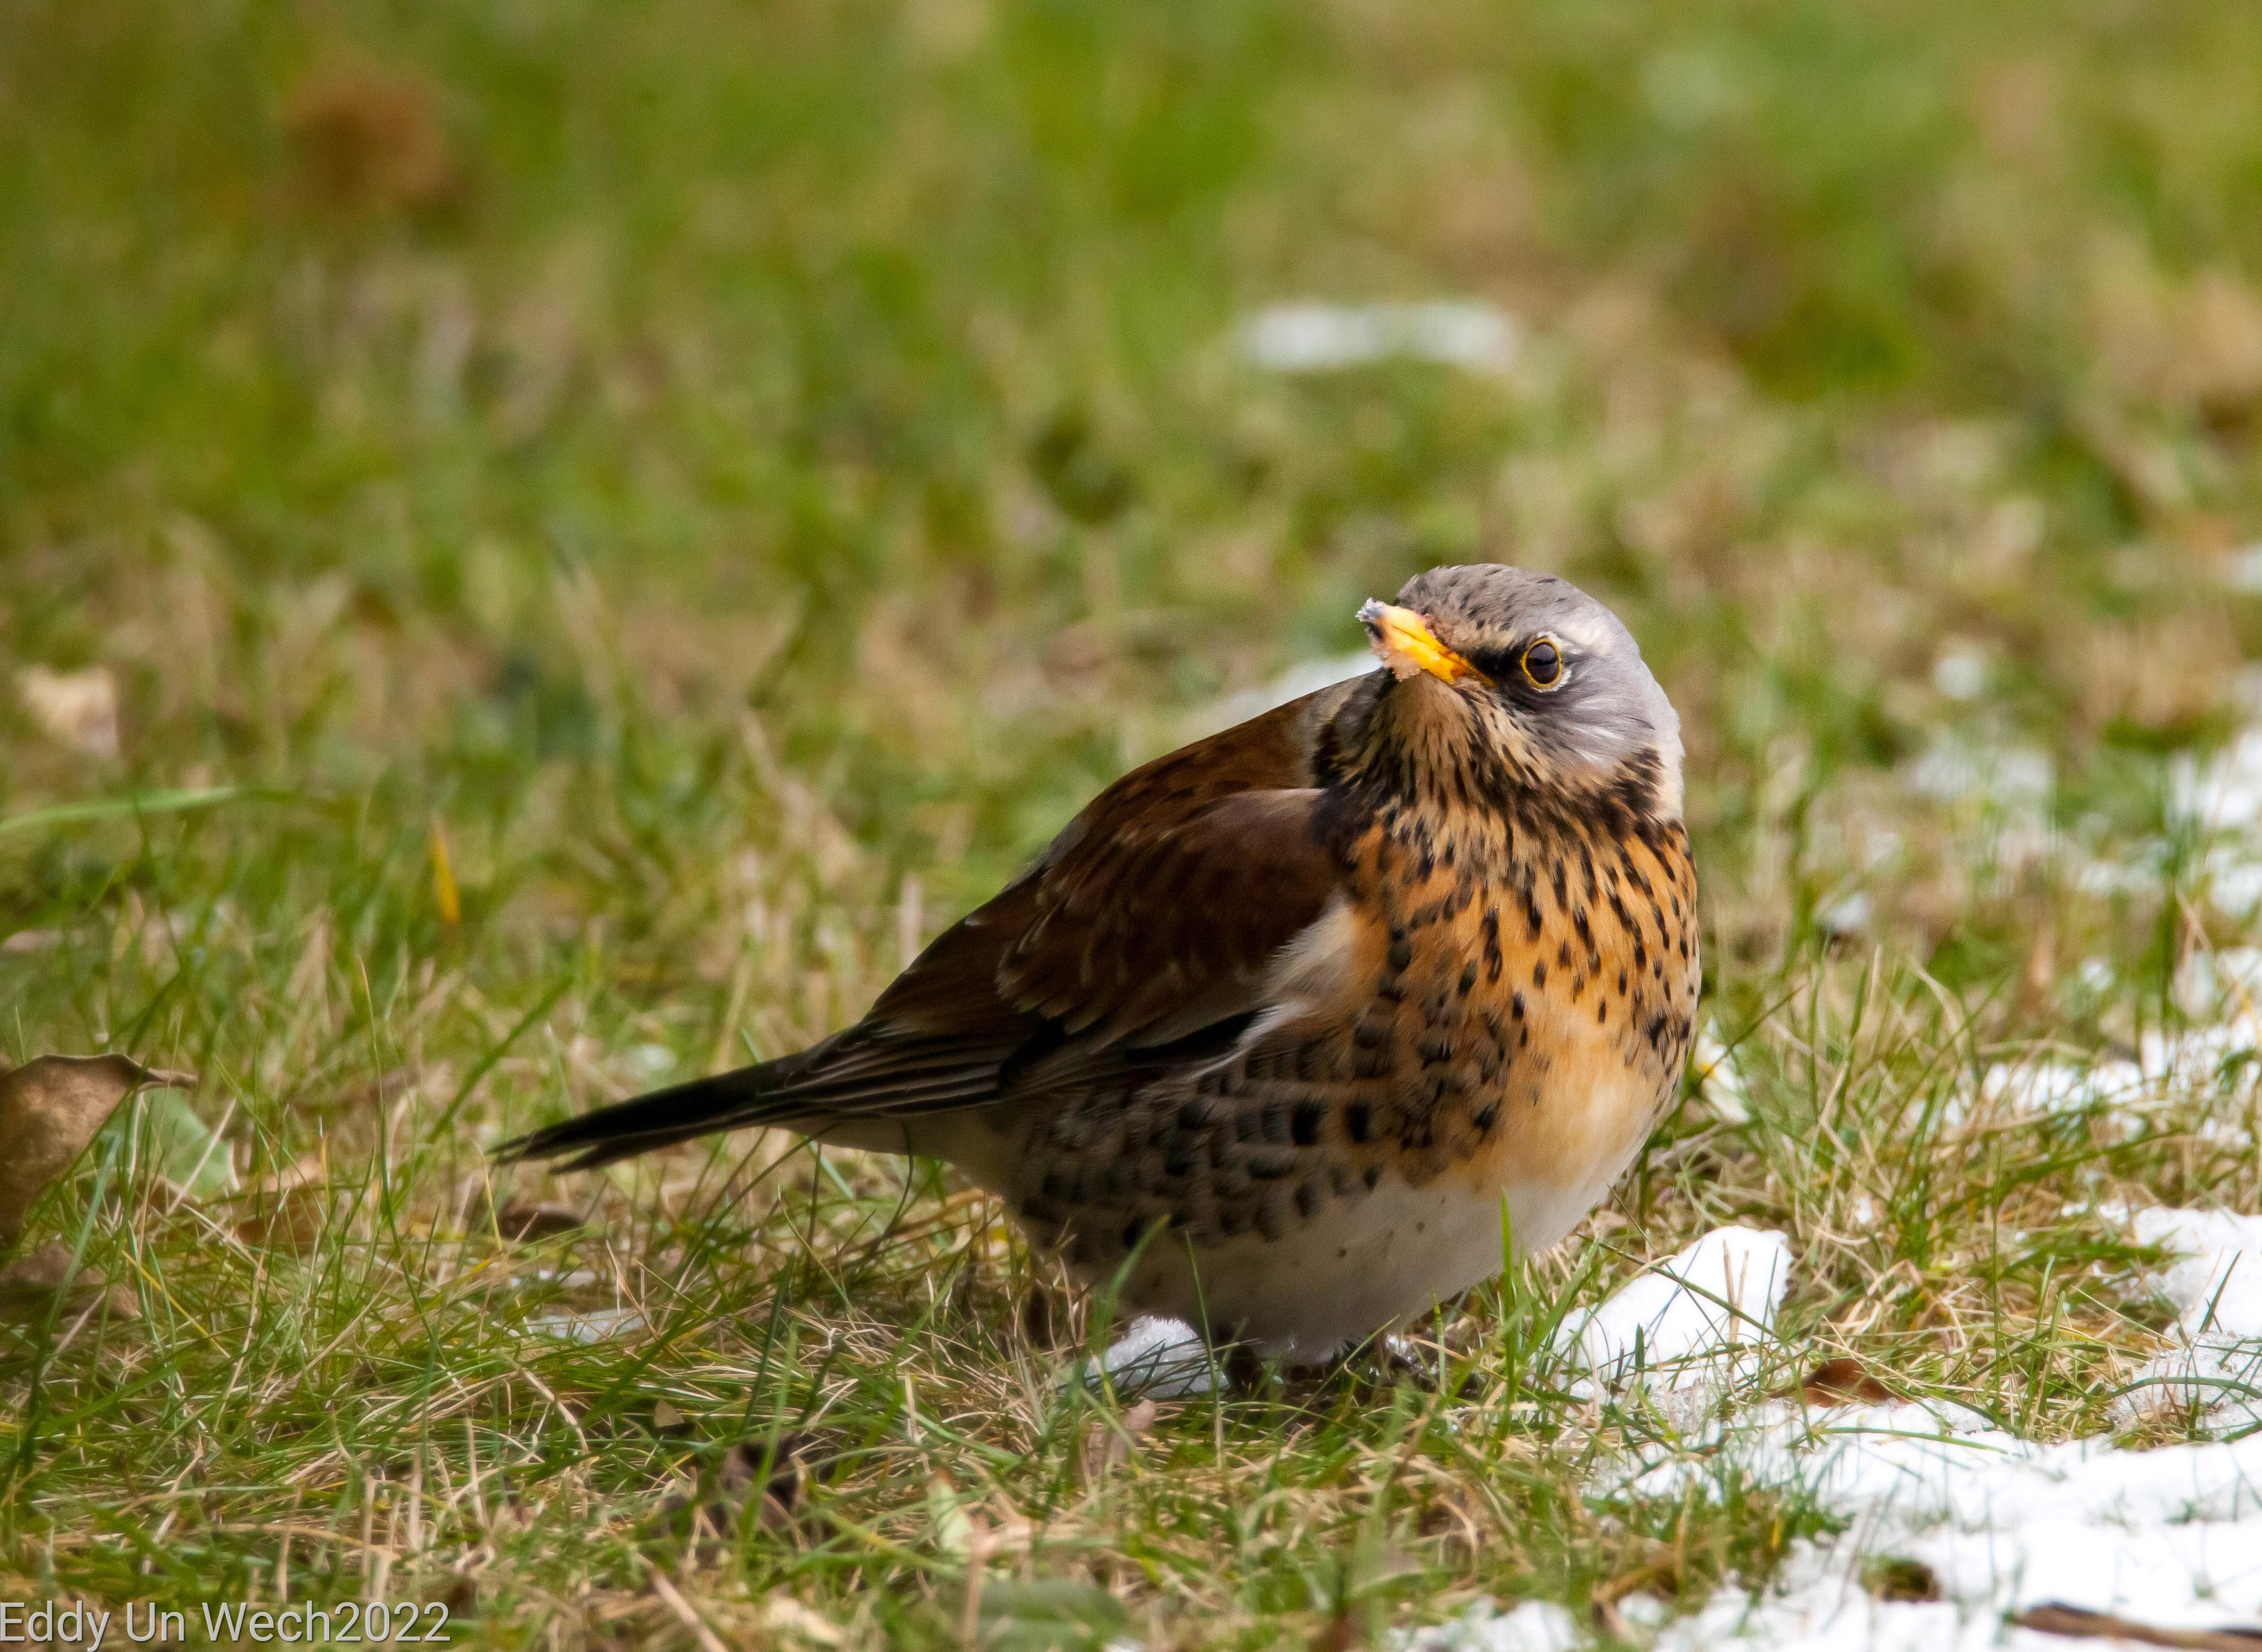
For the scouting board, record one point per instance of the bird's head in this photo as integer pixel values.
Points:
(1499, 665)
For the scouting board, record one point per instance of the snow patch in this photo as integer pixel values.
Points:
(1315, 337)
(1160, 1358)
(1696, 1321)
(2213, 1364)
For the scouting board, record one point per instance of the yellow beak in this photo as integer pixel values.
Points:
(1406, 644)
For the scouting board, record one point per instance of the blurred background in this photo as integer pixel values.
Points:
(692, 494)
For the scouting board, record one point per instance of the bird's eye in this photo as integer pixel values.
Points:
(1543, 664)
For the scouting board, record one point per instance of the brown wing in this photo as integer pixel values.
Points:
(1162, 899)
(1138, 941)
(1150, 918)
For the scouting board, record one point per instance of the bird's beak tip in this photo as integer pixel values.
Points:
(1403, 640)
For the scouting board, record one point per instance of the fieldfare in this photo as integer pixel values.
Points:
(1285, 1026)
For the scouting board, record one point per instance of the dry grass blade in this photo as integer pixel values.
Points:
(2053, 1619)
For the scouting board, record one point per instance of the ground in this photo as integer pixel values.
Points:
(545, 547)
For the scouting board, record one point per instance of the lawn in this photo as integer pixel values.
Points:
(544, 549)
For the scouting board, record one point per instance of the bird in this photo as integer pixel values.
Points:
(1306, 1027)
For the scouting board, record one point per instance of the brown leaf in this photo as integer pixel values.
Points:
(780, 1491)
(292, 1218)
(369, 139)
(1844, 1381)
(1339, 1633)
(30, 1284)
(525, 1219)
(1107, 1444)
(712, 1507)
(50, 1107)
(2053, 1618)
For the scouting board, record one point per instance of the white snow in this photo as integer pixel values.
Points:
(1537, 1626)
(1312, 337)
(2171, 1537)
(1694, 1320)
(588, 1325)
(2213, 1362)
(1160, 1358)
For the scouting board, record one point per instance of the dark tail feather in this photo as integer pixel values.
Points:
(728, 1100)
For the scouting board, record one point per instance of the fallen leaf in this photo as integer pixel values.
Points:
(50, 1107)
(524, 1219)
(2053, 1618)
(739, 1479)
(372, 139)
(180, 1147)
(1340, 1633)
(29, 1284)
(665, 1418)
(781, 1488)
(1844, 1381)
(292, 1219)
(1108, 1443)
(77, 709)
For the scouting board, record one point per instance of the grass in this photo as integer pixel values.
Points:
(605, 526)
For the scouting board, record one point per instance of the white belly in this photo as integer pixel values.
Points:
(1400, 1251)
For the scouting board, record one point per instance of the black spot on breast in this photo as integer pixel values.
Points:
(1308, 1199)
(1539, 973)
(1306, 1123)
(1468, 978)
(1373, 1176)
(1358, 1120)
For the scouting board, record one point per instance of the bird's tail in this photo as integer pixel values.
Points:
(756, 1094)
